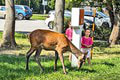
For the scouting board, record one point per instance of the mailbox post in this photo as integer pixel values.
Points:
(44, 3)
(77, 21)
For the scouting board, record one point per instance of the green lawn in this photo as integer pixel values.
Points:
(13, 68)
(39, 16)
(105, 64)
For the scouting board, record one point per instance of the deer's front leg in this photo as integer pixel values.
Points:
(62, 61)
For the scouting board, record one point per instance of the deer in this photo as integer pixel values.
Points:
(50, 40)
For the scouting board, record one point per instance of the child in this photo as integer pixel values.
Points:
(86, 44)
(68, 33)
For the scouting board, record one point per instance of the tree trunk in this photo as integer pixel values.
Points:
(116, 28)
(9, 27)
(111, 14)
(59, 15)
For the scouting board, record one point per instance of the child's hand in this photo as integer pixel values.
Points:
(89, 46)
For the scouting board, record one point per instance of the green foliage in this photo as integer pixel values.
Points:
(68, 4)
(66, 20)
(51, 4)
(35, 4)
(102, 33)
(72, 3)
(2, 2)
(38, 7)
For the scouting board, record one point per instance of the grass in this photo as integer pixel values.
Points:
(13, 68)
(39, 16)
(105, 64)
(107, 50)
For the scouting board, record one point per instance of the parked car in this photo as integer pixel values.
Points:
(51, 15)
(100, 19)
(88, 23)
(2, 11)
(21, 12)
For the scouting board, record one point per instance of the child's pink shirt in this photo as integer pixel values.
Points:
(68, 32)
(87, 41)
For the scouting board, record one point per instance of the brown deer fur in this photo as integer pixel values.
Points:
(49, 40)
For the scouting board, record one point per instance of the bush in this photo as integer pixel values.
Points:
(102, 33)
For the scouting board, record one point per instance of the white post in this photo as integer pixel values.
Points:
(44, 3)
(77, 33)
(76, 21)
(44, 9)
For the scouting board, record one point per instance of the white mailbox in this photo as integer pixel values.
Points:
(77, 18)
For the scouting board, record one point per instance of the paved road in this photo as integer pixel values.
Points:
(26, 25)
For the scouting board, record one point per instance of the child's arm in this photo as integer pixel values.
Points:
(84, 45)
(89, 46)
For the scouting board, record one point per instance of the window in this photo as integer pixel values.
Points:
(18, 7)
(3, 8)
(27, 8)
(87, 13)
(90, 13)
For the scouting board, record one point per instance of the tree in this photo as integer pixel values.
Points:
(9, 27)
(113, 7)
(59, 15)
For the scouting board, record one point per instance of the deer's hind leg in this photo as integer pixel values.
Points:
(37, 54)
(29, 53)
(56, 59)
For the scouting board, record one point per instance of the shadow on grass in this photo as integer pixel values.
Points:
(82, 69)
(18, 47)
(108, 64)
(105, 63)
(13, 67)
(88, 70)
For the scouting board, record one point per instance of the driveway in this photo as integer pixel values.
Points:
(26, 25)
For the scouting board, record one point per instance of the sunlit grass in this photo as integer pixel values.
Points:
(39, 17)
(13, 68)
